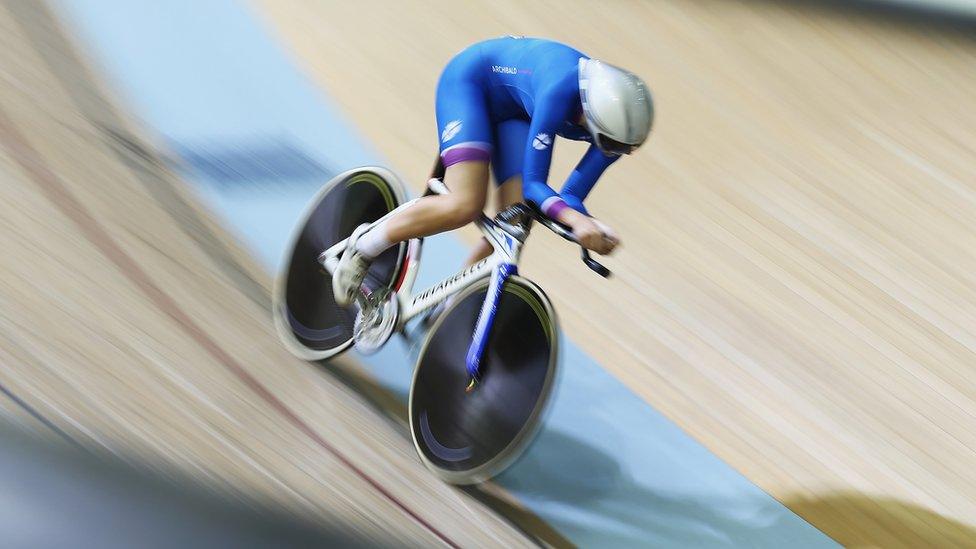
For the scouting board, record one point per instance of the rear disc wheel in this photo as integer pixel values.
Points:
(309, 322)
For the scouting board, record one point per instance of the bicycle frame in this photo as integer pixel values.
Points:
(500, 265)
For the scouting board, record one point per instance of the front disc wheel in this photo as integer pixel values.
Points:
(467, 437)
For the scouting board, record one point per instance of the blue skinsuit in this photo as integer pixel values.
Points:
(504, 101)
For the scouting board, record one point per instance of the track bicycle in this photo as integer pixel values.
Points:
(487, 364)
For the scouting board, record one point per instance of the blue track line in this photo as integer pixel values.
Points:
(31, 411)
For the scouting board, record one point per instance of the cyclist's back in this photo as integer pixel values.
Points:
(514, 72)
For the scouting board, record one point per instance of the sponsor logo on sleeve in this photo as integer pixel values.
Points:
(450, 130)
(541, 142)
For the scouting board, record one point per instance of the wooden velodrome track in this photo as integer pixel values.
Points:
(798, 280)
(131, 322)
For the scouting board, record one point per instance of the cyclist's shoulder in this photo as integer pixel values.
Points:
(557, 66)
(557, 82)
(531, 47)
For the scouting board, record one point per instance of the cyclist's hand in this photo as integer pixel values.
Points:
(592, 234)
(608, 233)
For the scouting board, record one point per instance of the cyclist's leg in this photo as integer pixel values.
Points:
(468, 183)
(465, 136)
(510, 139)
(465, 149)
(506, 163)
(510, 192)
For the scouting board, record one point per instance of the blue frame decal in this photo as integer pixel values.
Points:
(486, 318)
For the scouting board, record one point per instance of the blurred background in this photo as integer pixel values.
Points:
(784, 356)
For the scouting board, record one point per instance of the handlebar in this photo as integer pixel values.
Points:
(436, 186)
(566, 233)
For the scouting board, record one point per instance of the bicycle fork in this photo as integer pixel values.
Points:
(486, 318)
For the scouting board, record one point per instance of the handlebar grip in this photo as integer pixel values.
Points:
(561, 230)
(567, 233)
(595, 265)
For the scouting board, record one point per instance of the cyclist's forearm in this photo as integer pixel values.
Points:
(551, 203)
(543, 196)
(569, 216)
(587, 172)
(574, 202)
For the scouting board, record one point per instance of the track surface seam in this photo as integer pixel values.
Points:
(34, 413)
(57, 192)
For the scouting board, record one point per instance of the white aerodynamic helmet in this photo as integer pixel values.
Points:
(617, 106)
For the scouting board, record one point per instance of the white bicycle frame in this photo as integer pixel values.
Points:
(501, 264)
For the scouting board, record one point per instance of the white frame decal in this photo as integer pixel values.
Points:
(506, 251)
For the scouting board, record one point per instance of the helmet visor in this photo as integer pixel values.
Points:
(611, 146)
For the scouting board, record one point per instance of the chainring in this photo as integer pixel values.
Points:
(376, 320)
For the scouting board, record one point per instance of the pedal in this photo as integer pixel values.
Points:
(378, 315)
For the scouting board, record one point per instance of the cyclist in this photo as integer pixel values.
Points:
(501, 103)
